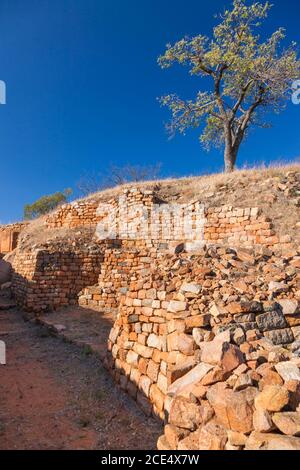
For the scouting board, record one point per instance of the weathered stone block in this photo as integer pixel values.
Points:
(184, 414)
(192, 377)
(288, 371)
(271, 321)
(272, 398)
(287, 423)
(234, 410)
(279, 337)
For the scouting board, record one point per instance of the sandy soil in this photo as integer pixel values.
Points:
(53, 395)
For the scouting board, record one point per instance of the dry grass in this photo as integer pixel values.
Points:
(195, 184)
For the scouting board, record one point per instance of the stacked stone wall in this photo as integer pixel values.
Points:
(9, 235)
(166, 317)
(45, 279)
(124, 261)
(149, 218)
(75, 214)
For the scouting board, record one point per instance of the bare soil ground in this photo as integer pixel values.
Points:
(54, 395)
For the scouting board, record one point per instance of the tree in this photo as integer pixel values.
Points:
(248, 76)
(46, 204)
(133, 173)
(116, 176)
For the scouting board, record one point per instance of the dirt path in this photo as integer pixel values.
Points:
(53, 396)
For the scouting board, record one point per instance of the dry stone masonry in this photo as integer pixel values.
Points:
(51, 277)
(207, 321)
(196, 319)
(9, 235)
(226, 224)
(123, 260)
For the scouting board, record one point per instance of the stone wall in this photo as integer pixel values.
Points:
(150, 218)
(75, 214)
(241, 227)
(133, 254)
(47, 278)
(9, 235)
(167, 316)
(124, 261)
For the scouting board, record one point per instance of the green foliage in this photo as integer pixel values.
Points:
(247, 76)
(46, 204)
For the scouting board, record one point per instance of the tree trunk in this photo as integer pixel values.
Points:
(230, 155)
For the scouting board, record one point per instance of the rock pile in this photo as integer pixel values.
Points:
(200, 318)
(239, 397)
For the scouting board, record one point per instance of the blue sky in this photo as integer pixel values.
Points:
(82, 82)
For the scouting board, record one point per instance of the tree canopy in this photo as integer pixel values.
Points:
(248, 76)
(46, 204)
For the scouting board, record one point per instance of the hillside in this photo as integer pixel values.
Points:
(275, 190)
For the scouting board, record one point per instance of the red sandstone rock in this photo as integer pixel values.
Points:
(217, 374)
(153, 370)
(186, 344)
(206, 412)
(288, 423)
(210, 437)
(194, 392)
(293, 386)
(272, 398)
(243, 381)
(260, 441)
(177, 371)
(237, 438)
(270, 378)
(157, 397)
(191, 378)
(163, 444)
(174, 435)
(221, 352)
(262, 421)
(197, 321)
(234, 410)
(232, 358)
(184, 414)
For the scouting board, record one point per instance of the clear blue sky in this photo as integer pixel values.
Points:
(82, 82)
